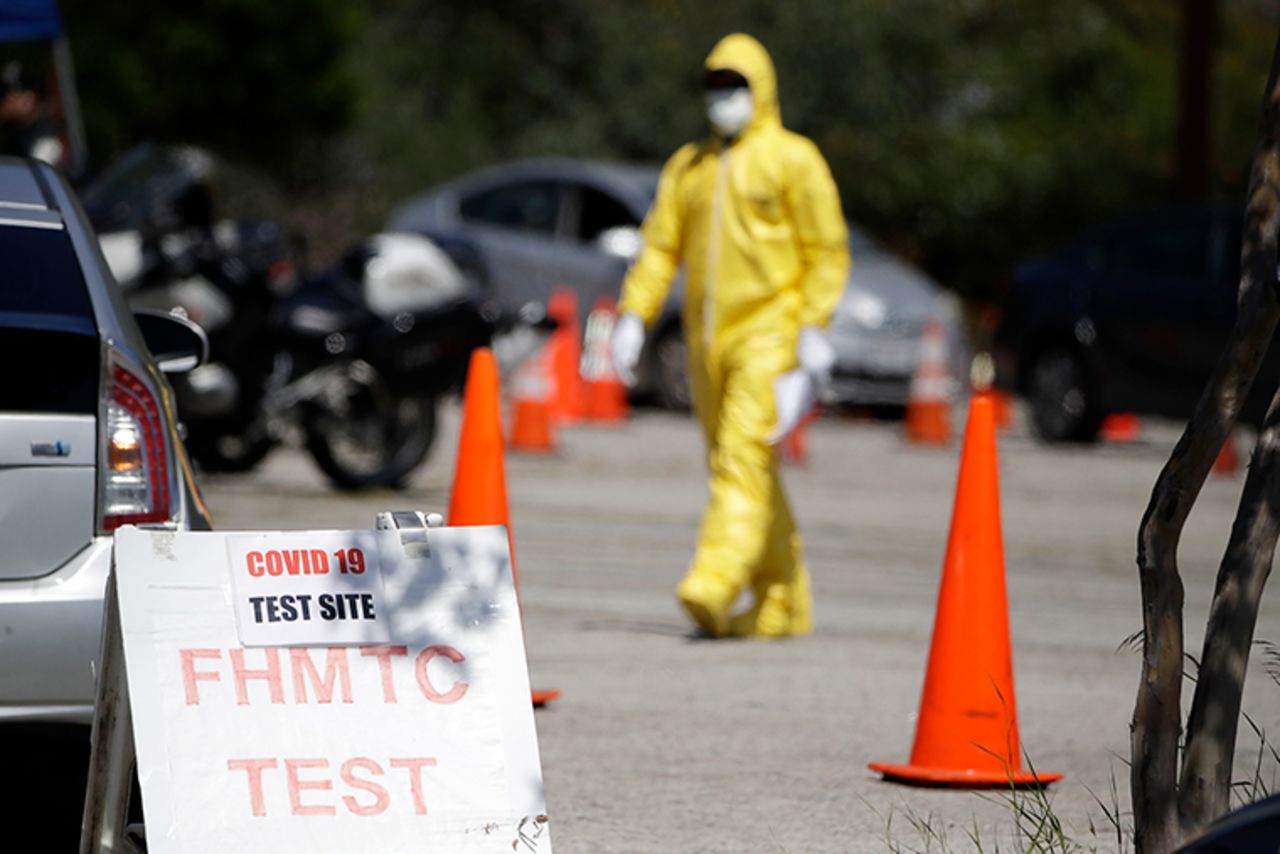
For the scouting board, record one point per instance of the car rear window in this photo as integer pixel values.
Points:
(48, 338)
(42, 286)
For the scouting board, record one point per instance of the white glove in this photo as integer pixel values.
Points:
(795, 391)
(815, 354)
(628, 341)
(792, 400)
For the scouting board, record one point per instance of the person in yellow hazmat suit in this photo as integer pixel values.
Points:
(754, 216)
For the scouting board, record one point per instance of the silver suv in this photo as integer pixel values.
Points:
(88, 440)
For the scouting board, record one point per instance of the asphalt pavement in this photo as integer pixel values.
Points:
(665, 742)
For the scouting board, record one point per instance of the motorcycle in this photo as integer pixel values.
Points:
(350, 362)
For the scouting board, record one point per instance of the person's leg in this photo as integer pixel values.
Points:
(701, 592)
(738, 518)
(783, 602)
(705, 391)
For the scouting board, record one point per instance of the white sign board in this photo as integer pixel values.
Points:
(424, 743)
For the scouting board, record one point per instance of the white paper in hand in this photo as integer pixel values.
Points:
(793, 398)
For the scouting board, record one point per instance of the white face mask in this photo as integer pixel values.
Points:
(729, 110)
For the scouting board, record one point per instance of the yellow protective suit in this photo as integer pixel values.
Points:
(756, 223)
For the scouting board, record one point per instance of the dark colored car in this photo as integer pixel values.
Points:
(1132, 317)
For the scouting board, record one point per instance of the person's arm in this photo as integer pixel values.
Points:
(649, 279)
(822, 234)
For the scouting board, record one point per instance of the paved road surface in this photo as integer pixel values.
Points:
(667, 743)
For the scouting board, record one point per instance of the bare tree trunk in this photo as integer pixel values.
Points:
(1159, 826)
(1204, 788)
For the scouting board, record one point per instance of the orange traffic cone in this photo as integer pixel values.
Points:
(1120, 427)
(532, 427)
(967, 730)
(1228, 461)
(479, 495)
(566, 354)
(1003, 404)
(928, 416)
(606, 396)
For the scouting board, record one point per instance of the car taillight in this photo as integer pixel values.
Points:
(135, 470)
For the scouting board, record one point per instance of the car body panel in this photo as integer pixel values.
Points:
(19, 189)
(45, 676)
(53, 456)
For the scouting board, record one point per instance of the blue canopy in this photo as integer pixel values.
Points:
(29, 20)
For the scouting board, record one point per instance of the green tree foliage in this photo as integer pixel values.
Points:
(965, 133)
(252, 79)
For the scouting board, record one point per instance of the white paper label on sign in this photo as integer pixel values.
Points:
(319, 588)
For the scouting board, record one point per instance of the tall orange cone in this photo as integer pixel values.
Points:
(1003, 403)
(532, 427)
(928, 416)
(606, 396)
(967, 730)
(479, 495)
(566, 355)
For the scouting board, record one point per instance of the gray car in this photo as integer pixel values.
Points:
(879, 325)
(88, 440)
(521, 229)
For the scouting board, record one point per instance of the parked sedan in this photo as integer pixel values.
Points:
(524, 228)
(88, 440)
(1131, 317)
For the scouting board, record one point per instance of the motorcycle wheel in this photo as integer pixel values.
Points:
(377, 442)
(228, 453)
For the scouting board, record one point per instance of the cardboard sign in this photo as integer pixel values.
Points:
(308, 589)
(424, 743)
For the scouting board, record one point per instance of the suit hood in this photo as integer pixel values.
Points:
(742, 53)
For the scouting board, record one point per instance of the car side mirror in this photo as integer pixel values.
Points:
(176, 343)
(622, 241)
